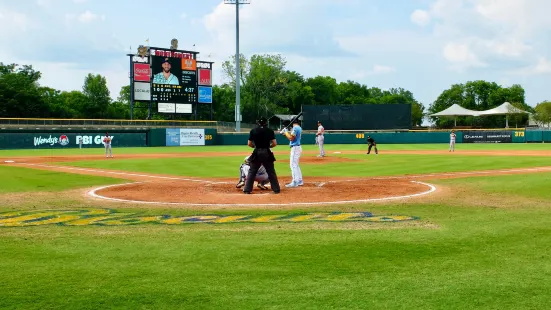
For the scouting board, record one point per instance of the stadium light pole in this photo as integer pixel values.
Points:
(237, 63)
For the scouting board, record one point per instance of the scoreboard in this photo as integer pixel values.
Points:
(174, 79)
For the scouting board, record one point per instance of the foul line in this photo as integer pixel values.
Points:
(93, 193)
(118, 173)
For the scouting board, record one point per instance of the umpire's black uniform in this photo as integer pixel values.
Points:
(262, 139)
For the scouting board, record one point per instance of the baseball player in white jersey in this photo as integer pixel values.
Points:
(107, 143)
(452, 141)
(296, 150)
(320, 139)
(261, 176)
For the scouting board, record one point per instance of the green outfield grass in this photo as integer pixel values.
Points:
(363, 166)
(484, 247)
(16, 179)
(245, 149)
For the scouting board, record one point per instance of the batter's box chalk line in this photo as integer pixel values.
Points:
(93, 193)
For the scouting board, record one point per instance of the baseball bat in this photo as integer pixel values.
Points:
(292, 120)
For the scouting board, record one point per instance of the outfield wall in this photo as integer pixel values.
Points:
(38, 139)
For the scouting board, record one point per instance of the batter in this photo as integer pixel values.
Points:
(296, 150)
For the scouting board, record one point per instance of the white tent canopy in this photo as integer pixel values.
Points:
(505, 109)
(456, 110)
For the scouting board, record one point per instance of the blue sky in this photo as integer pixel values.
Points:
(424, 46)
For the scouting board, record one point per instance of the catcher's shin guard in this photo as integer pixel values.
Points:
(241, 182)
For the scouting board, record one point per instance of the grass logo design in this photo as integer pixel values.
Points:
(108, 217)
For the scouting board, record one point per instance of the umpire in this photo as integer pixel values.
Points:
(262, 139)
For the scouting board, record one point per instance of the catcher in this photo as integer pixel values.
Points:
(261, 176)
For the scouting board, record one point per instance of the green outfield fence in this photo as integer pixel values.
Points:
(66, 133)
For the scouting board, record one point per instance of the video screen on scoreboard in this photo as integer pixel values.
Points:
(174, 79)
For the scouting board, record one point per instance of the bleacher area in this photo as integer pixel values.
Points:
(113, 124)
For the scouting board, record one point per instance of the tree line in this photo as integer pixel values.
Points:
(267, 88)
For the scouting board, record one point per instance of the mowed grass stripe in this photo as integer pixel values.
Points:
(363, 166)
(306, 146)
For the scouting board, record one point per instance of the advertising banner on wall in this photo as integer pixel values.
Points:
(205, 94)
(173, 137)
(69, 140)
(192, 136)
(142, 91)
(472, 136)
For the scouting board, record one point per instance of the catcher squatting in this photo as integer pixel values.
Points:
(261, 176)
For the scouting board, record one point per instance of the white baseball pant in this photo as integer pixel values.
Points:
(320, 144)
(108, 150)
(452, 146)
(262, 178)
(296, 151)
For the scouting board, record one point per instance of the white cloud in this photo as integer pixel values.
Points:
(483, 32)
(183, 16)
(44, 3)
(420, 17)
(88, 17)
(380, 69)
(461, 56)
(13, 22)
(543, 66)
(85, 18)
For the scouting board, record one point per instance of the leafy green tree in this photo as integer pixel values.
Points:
(20, 94)
(324, 89)
(543, 113)
(96, 91)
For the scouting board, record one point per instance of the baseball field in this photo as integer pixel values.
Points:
(415, 227)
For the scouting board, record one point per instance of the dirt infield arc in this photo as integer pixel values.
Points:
(222, 193)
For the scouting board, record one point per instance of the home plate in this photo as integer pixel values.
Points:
(9, 161)
(336, 152)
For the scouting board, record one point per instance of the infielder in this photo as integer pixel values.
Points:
(320, 139)
(372, 143)
(296, 150)
(452, 141)
(107, 143)
(261, 176)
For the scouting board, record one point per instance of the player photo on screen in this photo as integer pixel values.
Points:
(166, 70)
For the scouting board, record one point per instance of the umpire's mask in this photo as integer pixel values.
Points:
(262, 121)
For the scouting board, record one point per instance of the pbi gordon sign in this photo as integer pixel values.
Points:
(490, 136)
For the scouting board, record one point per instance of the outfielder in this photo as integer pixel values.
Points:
(452, 141)
(320, 139)
(107, 143)
(296, 150)
(261, 176)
